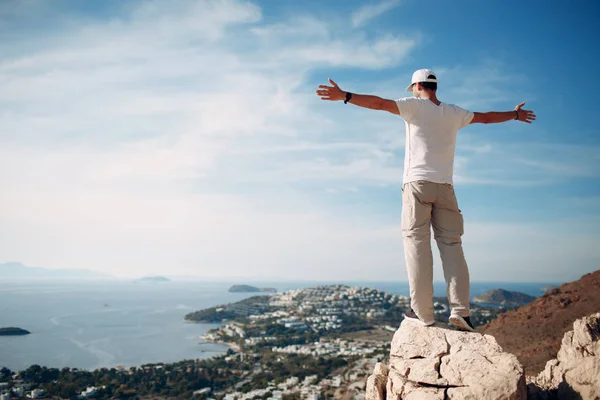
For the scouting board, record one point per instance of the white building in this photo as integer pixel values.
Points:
(198, 392)
(336, 381)
(89, 392)
(36, 394)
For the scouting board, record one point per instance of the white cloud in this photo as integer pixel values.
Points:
(111, 115)
(371, 11)
(128, 145)
(558, 250)
(128, 233)
(308, 43)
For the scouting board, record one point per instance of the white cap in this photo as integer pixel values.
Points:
(421, 75)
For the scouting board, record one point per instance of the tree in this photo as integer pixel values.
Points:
(5, 374)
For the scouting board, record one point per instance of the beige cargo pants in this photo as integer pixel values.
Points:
(425, 205)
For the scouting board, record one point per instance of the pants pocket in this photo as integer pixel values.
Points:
(408, 217)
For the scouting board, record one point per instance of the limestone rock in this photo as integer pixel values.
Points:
(439, 363)
(376, 382)
(575, 373)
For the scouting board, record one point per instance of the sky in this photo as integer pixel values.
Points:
(185, 138)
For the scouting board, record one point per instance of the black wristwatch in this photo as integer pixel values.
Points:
(348, 97)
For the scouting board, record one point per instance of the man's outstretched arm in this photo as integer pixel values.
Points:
(334, 93)
(503, 116)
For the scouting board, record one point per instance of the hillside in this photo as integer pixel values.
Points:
(534, 332)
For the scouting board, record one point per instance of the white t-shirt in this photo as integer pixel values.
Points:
(430, 138)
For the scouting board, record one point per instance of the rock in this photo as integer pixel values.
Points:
(575, 373)
(439, 363)
(376, 382)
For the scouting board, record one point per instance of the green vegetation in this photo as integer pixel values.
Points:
(251, 306)
(177, 380)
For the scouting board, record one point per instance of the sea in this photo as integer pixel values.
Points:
(90, 324)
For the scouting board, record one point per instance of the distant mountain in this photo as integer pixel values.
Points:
(534, 332)
(18, 270)
(154, 279)
(504, 297)
(250, 289)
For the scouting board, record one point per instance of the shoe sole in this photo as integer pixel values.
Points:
(460, 324)
(418, 321)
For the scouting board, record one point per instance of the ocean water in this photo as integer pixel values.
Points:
(109, 323)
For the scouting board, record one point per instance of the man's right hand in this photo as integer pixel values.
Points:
(332, 93)
(524, 115)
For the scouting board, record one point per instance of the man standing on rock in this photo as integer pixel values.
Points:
(428, 198)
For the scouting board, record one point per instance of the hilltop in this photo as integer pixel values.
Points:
(534, 332)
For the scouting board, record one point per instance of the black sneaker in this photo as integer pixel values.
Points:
(461, 323)
(412, 316)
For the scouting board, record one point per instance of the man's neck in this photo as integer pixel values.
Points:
(433, 98)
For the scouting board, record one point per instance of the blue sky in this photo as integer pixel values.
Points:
(185, 137)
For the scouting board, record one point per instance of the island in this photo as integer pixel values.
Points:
(12, 331)
(154, 279)
(504, 297)
(250, 289)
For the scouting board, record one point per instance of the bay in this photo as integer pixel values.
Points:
(110, 323)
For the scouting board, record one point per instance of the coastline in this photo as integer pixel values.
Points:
(232, 345)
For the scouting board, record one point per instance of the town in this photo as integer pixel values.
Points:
(315, 343)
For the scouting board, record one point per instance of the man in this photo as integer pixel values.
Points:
(428, 198)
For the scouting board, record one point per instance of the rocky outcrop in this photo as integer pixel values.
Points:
(575, 373)
(439, 363)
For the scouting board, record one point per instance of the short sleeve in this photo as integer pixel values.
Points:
(464, 117)
(406, 107)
